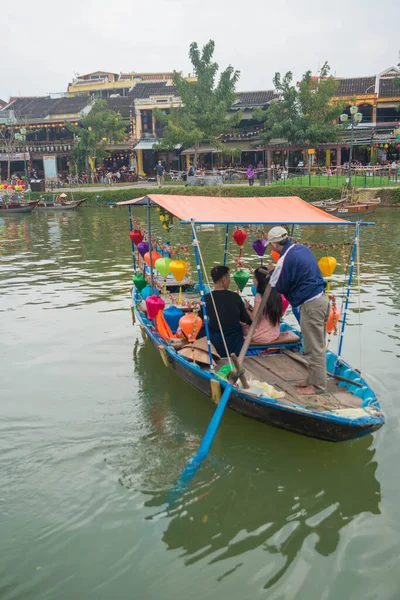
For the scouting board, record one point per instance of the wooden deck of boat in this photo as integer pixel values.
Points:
(283, 372)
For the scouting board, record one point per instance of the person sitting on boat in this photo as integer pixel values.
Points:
(268, 329)
(231, 312)
(298, 277)
(62, 199)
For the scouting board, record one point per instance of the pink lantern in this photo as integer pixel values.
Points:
(154, 304)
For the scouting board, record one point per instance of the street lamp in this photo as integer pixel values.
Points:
(355, 119)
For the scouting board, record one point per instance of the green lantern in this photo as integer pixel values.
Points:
(241, 278)
(162, 265)
(139, 282)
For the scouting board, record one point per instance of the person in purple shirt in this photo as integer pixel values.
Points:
(250, 174)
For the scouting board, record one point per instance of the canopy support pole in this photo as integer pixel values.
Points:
(202, 301)
(150, 248)
(226, 243)
(346, 307)
(133, 245)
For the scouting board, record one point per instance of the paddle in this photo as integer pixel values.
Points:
(193, 465)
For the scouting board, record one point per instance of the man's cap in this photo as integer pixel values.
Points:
(276, 235)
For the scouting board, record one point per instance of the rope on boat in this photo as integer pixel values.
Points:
(196, 241)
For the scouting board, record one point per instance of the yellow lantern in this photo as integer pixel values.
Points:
(178, 269)
(386, 146)
(327, 265)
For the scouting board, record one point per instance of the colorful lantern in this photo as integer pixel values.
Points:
(154, 304)
(253, 290)
(333, 319)
(327, 265)
(154, 257)
(162, 265)
(147, 291)
(139, 281)
(241, 278)
(143, 248)
(178, 269)
(275, 255)
(260, 246)
(136, 236)
(240, 237)
(190, 325)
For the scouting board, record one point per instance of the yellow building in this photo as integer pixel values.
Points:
(102, 84)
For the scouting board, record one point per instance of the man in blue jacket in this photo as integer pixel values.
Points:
(298, 278)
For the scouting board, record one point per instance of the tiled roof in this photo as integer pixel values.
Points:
(42, 106)
(122, 105)
(254, 98)
(70, 105)
(389, 88)
(355, 87)
(145, 90)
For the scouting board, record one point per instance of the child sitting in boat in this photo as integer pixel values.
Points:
(268, 329)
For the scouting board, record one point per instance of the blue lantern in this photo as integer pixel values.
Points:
(147, 291)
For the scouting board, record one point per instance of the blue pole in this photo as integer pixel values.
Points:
(202, 301)
(133, 245)
(226, 243)
(193, 465)
(353, 256)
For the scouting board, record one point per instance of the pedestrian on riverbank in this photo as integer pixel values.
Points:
(250, 174)
(298, 278)
(160, 173)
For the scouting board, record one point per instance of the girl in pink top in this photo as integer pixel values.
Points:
(268, 329)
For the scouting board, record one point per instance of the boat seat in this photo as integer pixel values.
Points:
(286, 339)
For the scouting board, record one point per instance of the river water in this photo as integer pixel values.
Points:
(94, 432)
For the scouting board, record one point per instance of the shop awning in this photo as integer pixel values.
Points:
(151, 144)
(278, 210)
(146, 144)
(205, 150)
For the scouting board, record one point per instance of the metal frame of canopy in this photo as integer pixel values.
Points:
(151, 201)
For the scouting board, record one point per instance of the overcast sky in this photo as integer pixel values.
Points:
(43, 43)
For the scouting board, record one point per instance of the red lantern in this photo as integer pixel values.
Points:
(190, 325)
(136, 236)
(154, 256)
(240, 237)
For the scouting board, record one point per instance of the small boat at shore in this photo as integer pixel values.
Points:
(18, 207)
(349, 409)
(347, 205)
(64, 205)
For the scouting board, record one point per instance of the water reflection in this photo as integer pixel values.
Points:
(261, 488)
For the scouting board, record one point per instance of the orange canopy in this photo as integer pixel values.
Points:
(277, 210)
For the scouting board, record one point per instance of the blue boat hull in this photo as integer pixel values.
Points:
(322, 425)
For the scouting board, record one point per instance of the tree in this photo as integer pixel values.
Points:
(101, 126)
(304, 114)
(205, 103)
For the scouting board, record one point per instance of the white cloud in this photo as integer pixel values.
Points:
(42, 45)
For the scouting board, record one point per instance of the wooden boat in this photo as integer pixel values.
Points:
(18, 208)
(349, 208)
(347, 205)
(348, 410)
(53, 205)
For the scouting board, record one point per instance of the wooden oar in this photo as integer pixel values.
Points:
(193, 465)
